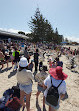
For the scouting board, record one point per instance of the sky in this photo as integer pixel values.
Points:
(63, 14)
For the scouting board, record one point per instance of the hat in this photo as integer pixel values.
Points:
(57, 73)
(23, 62)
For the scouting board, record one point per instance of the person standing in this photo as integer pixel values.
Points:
(57, 77)
(40, 77)
(16, 55)
(36, 56)
(58, 62)
(2, 58)
(26, 54)
(24, 79)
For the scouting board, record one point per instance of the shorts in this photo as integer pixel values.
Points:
(26, 88)
(55, 107)
(40, 89)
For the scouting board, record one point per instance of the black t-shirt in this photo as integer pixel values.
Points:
(16, 55)
(36, 57)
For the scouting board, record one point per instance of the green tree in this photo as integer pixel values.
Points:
(41, 29)
(20, 32)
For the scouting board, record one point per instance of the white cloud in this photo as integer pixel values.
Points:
(72, 38)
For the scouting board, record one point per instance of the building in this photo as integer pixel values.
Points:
(4, 35)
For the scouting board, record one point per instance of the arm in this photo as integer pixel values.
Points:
(62, 96)
(3, 56)
(46, 81)
(31, 76)
(45, 87)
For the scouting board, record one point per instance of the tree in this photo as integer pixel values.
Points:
(20, 32)
(41, 29)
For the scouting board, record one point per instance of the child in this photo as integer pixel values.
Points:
(40, 77)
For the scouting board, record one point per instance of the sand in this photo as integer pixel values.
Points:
(8, 79)
(71, 46)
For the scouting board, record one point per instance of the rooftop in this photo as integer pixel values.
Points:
(13, 34)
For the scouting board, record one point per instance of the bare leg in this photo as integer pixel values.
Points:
(37, 94)
(7, 63)
(2, 65)
(28, 101)
(22, 93)
(44, 109)
(51, 109)
(15, 67)
(43, 100)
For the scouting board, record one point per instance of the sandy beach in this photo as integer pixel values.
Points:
(71, 46)
(8, 79)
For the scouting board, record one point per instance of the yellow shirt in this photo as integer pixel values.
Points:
(14, 53)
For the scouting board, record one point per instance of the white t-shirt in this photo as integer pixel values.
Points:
(61, 88)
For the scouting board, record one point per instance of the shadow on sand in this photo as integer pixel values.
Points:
(74, 71)
(37, 106)
(6, 69)
(12, 74)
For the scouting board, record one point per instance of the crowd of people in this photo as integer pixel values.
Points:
(26, 61)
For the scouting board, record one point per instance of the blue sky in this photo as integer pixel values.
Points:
(63, 14)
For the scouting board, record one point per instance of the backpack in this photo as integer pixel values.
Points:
(53, 95)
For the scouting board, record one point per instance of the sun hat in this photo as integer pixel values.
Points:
(57, 73)
(23, 62)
